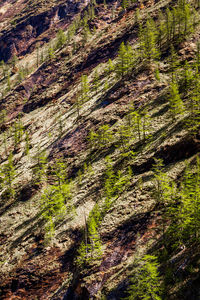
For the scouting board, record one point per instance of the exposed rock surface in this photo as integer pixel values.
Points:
(45, 100)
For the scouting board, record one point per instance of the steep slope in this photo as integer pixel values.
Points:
(93, 95)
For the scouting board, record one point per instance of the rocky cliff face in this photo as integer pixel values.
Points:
(28, 28)
(48, 111)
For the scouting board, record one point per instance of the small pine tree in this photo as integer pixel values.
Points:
(86, 29)
(18, 132)
(60, 172)
(188, 77)
(90, 248)
(189, 213)
(40, 169)
(157, 74)
(125, 134)
(175, 101)
(145, 282)
(52, 207)
(110, 68)
(50, 54)
(85, 89)
(174, 62)
(95, 243)
(193, 106)
(104, 135)
(140, 122)
(168, 24)
(161, 30)
(187, 18)
(82, 254)
(122, 64)
(55, 203)
(61, 39)
(124, 4)
(149, 47)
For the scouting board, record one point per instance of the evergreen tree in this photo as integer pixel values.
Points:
(161, 30)
(50, 53)
(60, 172)
(145, 282)
(124, 136)
(86, 29)
(150, 51)
(52, 207)
(114, 184)
(193, 106)
(90, 248)
(168, 24)
(104, 135)
(174, 63)
(106, 86)
(21, 74)
(189, 215)
(187, 18)
(101, 138)
(175, 101)
(18, 132)
(161, 182)
(40, 169)
(174, 22)
(124, 4)
(82, 254)
(61, 39)
(110, 66)
(95, 243)
(122, 64)
(164, 193)
(55, 203)
(157, 74)
(85, 89)
(131, 56)
(140, 123)
(92, 138)
(187, 77)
